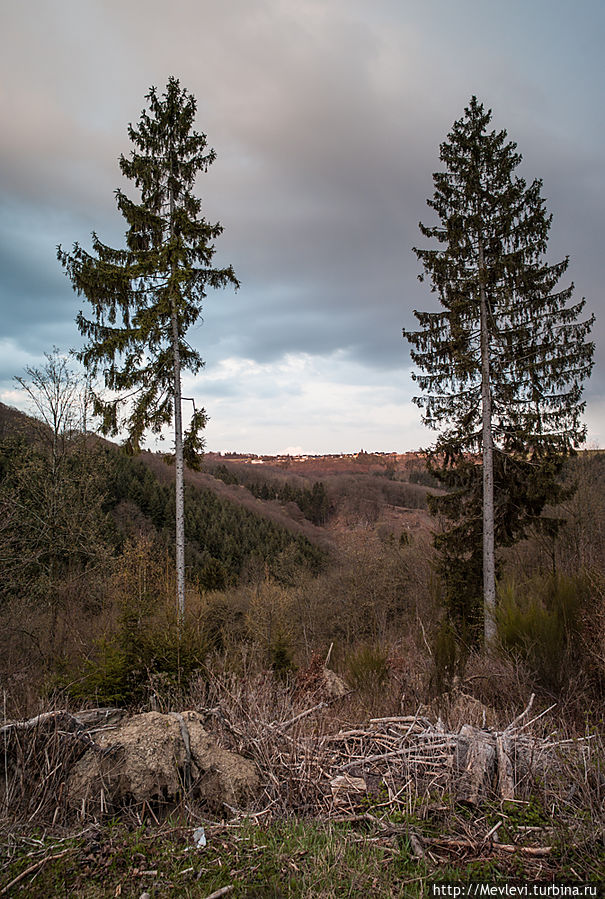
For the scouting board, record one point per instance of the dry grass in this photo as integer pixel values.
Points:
(36, 761)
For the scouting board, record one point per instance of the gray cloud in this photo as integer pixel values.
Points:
(327, 120)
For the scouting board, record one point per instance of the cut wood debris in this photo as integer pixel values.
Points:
(393, 762)
(299, 768)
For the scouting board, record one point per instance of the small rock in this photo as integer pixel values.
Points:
(333, 685)
(199, 837)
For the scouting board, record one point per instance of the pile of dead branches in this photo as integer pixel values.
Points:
(394, 762)
(391, 764)
(37, 757)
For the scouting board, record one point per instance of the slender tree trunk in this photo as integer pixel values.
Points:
(178, 450)
(489, 562)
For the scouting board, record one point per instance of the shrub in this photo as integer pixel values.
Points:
(449, 658)
(223, 620)
(145, 646)
(129, 671)
(280, 656)
(368, 668)
(540, 624)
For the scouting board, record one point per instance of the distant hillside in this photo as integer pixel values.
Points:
(239, 496)
(227, 531)
(387, 491)
(329, 463)
(13, 422)
(224, 538)
(312, 497)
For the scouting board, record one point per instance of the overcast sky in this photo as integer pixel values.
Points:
(326, 116)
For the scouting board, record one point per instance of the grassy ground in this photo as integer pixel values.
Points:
(288, 858)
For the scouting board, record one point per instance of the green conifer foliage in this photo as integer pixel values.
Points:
(147, 296)
(501, 366)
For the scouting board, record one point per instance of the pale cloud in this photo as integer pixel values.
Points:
(595, 422)
(326, 404)
(13, 398)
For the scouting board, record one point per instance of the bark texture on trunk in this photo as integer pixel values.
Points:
(179, 471)
(489, 562)
(178, 452)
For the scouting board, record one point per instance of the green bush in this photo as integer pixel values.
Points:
(280, 656)
(223, 620)
(146, 648)
(367, 668)
(126, 670)
(450, 653)
(540, 623)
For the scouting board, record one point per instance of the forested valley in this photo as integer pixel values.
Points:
(285, 569)
(281, 565)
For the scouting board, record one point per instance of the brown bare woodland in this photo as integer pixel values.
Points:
(424, 727)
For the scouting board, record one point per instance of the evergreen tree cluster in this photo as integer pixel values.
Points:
(58, 524)
(223, 539)
(313, 501)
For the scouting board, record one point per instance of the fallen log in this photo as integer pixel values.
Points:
(85, 719)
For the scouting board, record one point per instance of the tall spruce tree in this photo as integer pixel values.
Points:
(145, 297)
(501, 365)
